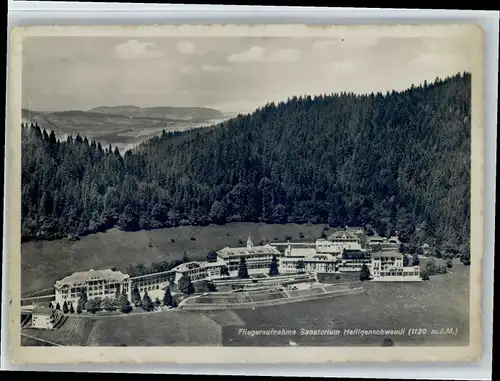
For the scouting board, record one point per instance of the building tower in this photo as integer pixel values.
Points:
(249, 243)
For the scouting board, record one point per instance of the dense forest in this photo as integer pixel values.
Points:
(399, 162)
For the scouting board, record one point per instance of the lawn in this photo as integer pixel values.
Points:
(44, 262)
(75, 332)
(156, 329)
(441, 302)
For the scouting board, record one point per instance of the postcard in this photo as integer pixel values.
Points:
(236, 193)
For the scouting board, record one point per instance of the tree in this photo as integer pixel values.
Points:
(415, 260)
(70, 186)
(242, 269)
(449, 263)
(82, 298)
(71, 309)
(431, 266)
(167, 298)
(65, 308)
(205, 286)
(93, 305)
(364, 274)
(212, 256)
(123, 303)
(424, 274)
(157, 301)
(224, 271)
(136, 296)
(406, 261)
(51, 305)
(218, 213)
(147, 303)
(300, 266)
(274, 266)
(185, 285)
(108, 304)
(58, 307)
(79, 307)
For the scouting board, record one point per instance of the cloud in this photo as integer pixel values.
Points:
(134, 49)
(215, 68)
(285, 55)
(258, 54)
(437, 61)
(254, 54)
(186, 47)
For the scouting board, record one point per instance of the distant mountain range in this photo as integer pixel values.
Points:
(192, 114)
(123, 126)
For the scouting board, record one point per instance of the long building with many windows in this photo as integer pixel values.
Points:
(388, 267)
(340, 253)
(95, 283)
(257, 258)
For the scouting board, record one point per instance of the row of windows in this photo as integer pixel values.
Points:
(398, 273)
(151, 281)
(150, 288)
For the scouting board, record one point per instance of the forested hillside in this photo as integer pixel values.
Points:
(398, 161)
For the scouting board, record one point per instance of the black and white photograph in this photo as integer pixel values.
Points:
(248, 188)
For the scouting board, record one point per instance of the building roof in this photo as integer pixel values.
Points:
(342, 234)
(197, 264)
(388, 246)
(244, 251)
(81, 278)
(42, 311)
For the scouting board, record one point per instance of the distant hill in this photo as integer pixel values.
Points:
(122, 126)
(193, 114)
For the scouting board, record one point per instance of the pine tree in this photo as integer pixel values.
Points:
(123, 303)
(274, 266)
(65, 308)
(185, 285)
(364, 273)
(167, 298)
(136, 296)
(82, 299)
(242, 269)
(147, 303)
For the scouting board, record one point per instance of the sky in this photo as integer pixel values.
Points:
(231, 74)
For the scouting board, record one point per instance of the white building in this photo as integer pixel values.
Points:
(311, 261)
(44, 317)
(258, 258)
(95, 283)
(353, 259)
(198, 270)
(348, 239)
(150, 282)
(388, 267)
(329, 247)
